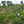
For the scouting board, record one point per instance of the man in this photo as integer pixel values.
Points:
(18, 15)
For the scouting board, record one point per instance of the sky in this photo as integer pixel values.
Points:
(13, 1)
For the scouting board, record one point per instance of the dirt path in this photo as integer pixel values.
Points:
(10, 21)
(2, 11)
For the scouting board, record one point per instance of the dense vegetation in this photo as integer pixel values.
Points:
(8, 13)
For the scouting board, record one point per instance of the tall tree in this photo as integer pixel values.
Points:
(21, 2)
(3, 2)
(9, 3)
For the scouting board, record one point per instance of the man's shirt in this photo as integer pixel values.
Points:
(18, 14)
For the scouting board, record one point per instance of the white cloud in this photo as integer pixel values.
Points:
(23, 1)
(17, 1)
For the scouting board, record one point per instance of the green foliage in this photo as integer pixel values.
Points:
(1, 9)
(11, 13)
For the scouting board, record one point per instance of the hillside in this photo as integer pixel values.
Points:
(9, 13)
